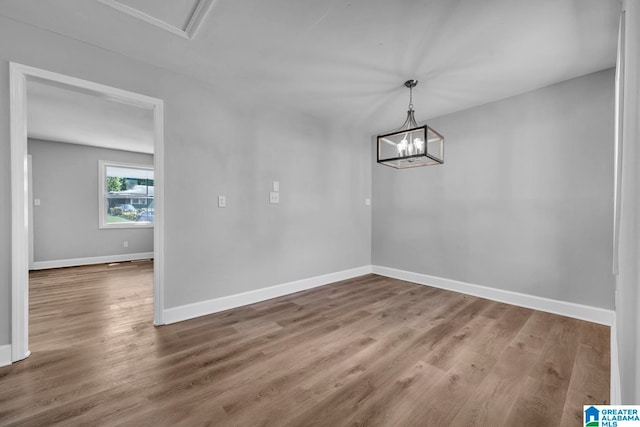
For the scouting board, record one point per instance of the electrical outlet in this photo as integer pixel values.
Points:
(222, 202)
(36, 202)
(274, 197)
(125, 244)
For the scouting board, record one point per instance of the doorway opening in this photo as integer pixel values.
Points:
(20, 78)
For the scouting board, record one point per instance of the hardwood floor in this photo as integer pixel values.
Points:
(370, 351)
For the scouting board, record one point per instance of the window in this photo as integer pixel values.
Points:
(126, 195)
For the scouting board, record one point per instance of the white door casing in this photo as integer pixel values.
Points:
(20, 197)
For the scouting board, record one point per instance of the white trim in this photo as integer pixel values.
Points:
(31, 208)
(74, 262)
(563, 308)
(200, 12)
(618, 143)
(614, 384)
(5, 355)
(19, 215)
(19, 76)
(158, 216)
(190, 29)
(189, 311)
(102, 195)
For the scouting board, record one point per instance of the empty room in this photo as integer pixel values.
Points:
(304, 213)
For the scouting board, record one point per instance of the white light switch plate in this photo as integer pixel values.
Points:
(222, 202)
(276, 186)
(274, 197)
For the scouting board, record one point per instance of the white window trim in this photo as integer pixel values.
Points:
(102, 195)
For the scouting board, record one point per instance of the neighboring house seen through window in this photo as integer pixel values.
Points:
(126, 195)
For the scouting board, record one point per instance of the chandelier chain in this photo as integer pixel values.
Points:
(410, 98)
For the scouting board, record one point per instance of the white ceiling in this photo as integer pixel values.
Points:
(60, 113)
(346, 60)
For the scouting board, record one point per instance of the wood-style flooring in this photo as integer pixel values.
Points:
(370, 351)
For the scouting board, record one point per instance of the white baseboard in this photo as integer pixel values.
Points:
(189, 311)
(43, 265)
(563, 308)
(616, 391)
(5, 355)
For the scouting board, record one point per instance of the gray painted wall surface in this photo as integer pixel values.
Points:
(216, 145)
(523, 202)
(65, 179)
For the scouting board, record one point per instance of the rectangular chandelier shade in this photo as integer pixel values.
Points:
(410, 148)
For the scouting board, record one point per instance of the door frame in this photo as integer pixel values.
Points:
(19, 76)
(31, 204)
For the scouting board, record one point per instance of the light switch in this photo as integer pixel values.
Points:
(222, 202)
(274, 197)
(276, 186)
(36, 202)
(367, 202)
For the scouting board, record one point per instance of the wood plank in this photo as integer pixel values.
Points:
(367, 351)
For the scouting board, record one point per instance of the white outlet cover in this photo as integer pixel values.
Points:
(36, 202)
(274, 197)
(222, 202)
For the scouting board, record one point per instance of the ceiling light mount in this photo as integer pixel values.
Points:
(411, 83)
(411, 145)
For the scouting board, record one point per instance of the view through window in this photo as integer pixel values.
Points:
(127, 199)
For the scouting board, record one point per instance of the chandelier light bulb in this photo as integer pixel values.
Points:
(419, 144)
(402, 146)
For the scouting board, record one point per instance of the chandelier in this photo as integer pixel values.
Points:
(411, 145)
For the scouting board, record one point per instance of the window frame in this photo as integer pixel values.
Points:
(102, 195)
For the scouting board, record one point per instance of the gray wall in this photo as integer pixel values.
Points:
(65, 225)
(216, 144)
(523, 202)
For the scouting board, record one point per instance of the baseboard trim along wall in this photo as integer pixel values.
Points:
(563, 308)
(5, 355)
(189, 311)
(43, 265)
(578, 311)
